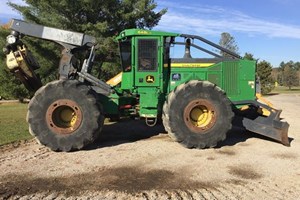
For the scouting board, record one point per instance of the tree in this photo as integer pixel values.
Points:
(264, 70)
(297, 66)
(103, 19)
(280, 73)
(249, 56)
(290, 77)
(227, 41)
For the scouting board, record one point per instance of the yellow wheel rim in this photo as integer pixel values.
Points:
(64, 116)
(200, 115)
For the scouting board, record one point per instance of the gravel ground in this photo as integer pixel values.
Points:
(132, 161)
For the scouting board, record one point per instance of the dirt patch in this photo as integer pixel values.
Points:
(245, 172)
(236, 182)
(211, 158)
(290, 156)
(17, 144)
(227, 152)
(133, 161)
(161, 137)
(123, 179)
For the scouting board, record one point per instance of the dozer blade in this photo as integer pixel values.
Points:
(269, 126)
(115, 80)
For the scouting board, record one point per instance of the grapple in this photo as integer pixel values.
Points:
(22, 64)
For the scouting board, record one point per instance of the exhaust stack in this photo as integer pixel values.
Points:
(187, 52)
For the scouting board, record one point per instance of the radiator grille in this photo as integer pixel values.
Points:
(230, 70)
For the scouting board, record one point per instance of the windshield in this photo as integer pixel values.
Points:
(125, 52)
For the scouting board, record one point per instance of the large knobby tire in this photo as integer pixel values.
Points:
(197, 114)
(65, 115)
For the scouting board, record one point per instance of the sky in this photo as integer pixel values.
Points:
(268, 29)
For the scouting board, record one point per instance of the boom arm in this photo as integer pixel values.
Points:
(53, 34)
(22, 64)
(234, 55)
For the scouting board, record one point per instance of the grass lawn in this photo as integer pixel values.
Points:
(13, 125)
(285, 90)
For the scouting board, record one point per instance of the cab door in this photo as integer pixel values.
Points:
(147, 62)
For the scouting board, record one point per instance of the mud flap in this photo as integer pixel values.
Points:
(255, 121)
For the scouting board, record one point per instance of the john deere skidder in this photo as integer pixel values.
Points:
(196, 98)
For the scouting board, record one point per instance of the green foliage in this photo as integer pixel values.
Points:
(227, 41)
(289, 76)
(11, 88)
(249, 56)
(103, 19)
(264, 70)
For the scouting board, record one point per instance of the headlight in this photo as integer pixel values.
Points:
(11, 39)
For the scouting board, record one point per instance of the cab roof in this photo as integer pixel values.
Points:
(143, 32)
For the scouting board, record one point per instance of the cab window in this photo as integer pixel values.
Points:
(125, 50)
(147, 54)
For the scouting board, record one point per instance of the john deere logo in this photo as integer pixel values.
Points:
(149, 79)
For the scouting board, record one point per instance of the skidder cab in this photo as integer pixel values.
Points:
(198, 99)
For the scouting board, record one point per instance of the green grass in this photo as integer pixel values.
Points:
(13, 125)
(285, 90)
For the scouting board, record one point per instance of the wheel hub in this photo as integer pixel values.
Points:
(200, 115)
(63, 116)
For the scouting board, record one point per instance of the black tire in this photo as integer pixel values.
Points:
(197, 114)
(65, 115)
